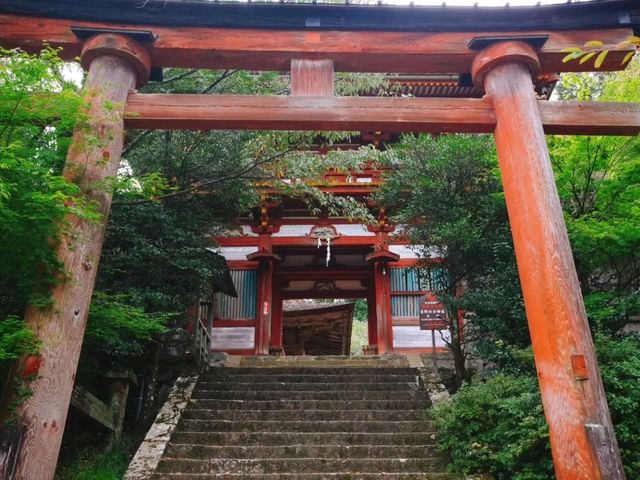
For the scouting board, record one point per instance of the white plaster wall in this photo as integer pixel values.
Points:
(413, 337)
(233, 337)
(236, 253)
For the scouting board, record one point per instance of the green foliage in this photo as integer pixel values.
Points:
(619, 360)
(359, 337)
(446, 191)
(16, 339)
(118, 334)
(496, 427)
(156, 254)
(92, 463)
(117, 329)
(598, 181)
(37, 112)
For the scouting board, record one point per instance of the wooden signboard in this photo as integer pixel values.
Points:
(432, 313)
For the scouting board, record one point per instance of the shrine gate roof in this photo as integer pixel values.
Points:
(596, 14)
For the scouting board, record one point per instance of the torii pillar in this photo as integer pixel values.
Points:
(116, 64)
(583, 442)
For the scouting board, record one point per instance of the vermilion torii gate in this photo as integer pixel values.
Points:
(121, 42)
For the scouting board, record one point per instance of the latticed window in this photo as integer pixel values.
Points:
(408, 284)
(244, 306)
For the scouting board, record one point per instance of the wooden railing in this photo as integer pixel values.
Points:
(202, 348)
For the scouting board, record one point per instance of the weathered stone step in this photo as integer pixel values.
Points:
(320, 377)
(193, 425)
(311, 371)
(296, 405)
(301, 465)
(309, 415)
(300, 438)
(318, 476)
(326, 360)
(306, 395)
(309, 386)
(300, 451)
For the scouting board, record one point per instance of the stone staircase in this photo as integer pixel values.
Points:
(307, 418)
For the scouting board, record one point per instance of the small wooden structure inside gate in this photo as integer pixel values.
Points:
(123, 42)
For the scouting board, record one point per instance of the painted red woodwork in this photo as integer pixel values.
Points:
(265, 305)
(293, 295)
(372, 318)
(266, 259)
(31, 366)
(277, 316)
(384, 321)
(343, 241)
(582, 439)
(121, 46)
(435, 115)
(242, 265)
(382, 255)
(230, 322)
(93, 156)
(357, 51)
(311, 78)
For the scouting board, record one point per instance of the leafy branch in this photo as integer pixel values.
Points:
(595, 48)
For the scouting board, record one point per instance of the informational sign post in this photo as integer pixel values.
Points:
(432, 317)
(432, 313)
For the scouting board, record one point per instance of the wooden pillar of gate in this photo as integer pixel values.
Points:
(277, 318)
(266, 259)
(380, 257)
(115, 65)
(583, 443)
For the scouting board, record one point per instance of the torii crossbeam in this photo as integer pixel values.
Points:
(120, 42)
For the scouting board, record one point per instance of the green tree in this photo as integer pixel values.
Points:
(446, 191)
(38, 109)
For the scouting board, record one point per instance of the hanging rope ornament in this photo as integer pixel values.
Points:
(324, 234)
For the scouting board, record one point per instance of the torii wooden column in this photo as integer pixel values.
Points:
(116, 64)
(583, 442)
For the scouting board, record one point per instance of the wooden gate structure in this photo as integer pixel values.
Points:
(123, 42)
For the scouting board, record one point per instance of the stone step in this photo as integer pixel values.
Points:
(309, 386)
(193, 425)
(301, 438)
(319, 377)
(308, 415)
(202, 393)
(311, 371)
(299, 405)
(300, 451)
(298, 465)
(318, 476)
(326, 360)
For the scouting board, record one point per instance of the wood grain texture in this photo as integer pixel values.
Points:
(553, 301)
(265, 299)
(312, 78)
(352, 51)
(91, 158)
(382, 300)
(93, 407)
(436, 115)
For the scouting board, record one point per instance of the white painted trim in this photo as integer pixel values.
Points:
(237, 253)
